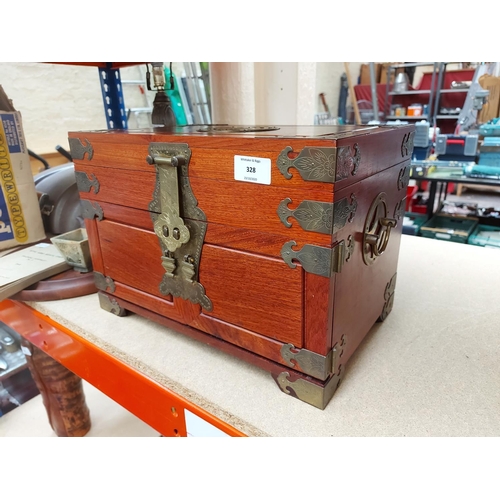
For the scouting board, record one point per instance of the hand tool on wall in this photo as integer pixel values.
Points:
(323, 101)
(163, 114)
(344, 89)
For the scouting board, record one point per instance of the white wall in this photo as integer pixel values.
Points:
(328, 76)
(263, 93)
(275, 93)
(55, 99)
(232, 93)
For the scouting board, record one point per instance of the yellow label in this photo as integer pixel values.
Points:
(10, 193)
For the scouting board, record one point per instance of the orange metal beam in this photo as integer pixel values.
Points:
(156, 405)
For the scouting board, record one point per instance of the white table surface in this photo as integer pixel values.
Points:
(431, 369)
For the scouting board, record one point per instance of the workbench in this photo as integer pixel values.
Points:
(431, 369)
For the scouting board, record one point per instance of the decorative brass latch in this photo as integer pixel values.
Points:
(178, 222)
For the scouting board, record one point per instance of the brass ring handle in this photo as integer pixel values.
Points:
(383, 238)
(377, 230)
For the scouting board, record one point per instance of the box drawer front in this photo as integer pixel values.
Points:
(131, 256)
(259, 294)
(254, 292)
(240, 205)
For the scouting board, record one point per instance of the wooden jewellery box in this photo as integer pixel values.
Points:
(276, 244)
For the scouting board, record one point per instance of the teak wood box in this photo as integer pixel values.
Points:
(287, 268)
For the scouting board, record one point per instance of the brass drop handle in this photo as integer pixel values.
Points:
(379, 241)
(377, 230)
(167, 161)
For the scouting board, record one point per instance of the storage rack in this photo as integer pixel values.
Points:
(112, 90)
(430, 91)
(440, 91)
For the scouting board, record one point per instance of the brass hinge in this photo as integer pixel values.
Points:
(91, 209)
(84, 183)
(317, 216)
(388, 297)
(322, 261)
(407, 144)
(308, 392)
(104, 282)
(311, 363)
(78, 149)
(321, 164)
(404, 177)
(110, 304)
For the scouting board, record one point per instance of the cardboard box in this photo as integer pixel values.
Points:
(383, 72)
(20, 217)
(364, 76)
(492, 107)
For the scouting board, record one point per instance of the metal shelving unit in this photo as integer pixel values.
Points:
(430, 92)
(440, 91)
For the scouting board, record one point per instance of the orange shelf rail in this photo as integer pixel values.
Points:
(153, 403)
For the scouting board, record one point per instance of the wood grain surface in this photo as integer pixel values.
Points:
(359, 288)
(244, 205)
(131, 256)
(259, 303)
(62, 393)
(254, 292)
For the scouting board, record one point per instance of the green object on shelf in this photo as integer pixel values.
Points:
(175, 98)
(457, 229)
(412, 222)
(485, 236)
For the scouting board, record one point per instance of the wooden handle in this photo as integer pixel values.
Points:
(62, 393)
(357, 116)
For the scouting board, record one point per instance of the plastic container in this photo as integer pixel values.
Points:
(411, 191)
(443, 227)
(412, 223)
(485, 236)
(415, 110)
(420, 153)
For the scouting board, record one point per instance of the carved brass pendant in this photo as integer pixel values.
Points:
(178, 222)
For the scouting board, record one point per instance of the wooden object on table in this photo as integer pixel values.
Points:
(62, 393)
(65, 285)
(279, 241)
(357, 115)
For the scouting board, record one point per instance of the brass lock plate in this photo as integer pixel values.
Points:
(180, 238)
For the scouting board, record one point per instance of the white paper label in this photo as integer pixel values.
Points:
(197, 427)
(252, 169)
(25, 351)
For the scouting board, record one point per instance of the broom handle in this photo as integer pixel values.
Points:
(353, 95)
